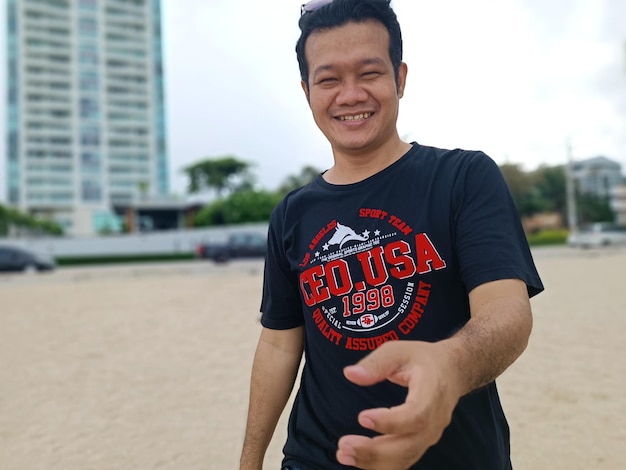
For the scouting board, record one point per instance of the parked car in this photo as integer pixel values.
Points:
(238, 245)
(597, 235)
(19, 259)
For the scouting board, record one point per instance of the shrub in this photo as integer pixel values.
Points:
(548, 237)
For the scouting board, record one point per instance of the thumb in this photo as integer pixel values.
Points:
(378, 365)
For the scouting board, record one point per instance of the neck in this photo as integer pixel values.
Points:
(354, 167)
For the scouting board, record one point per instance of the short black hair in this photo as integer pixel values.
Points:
(340, 12)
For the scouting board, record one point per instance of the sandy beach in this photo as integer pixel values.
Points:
(147, 367)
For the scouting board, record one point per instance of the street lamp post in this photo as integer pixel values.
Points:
(572, 216)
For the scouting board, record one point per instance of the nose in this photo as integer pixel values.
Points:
(350, 93)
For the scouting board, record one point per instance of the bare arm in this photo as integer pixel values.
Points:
(274, 371)
(495, 336)
(437, 376)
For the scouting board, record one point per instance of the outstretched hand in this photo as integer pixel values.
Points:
(408, 430)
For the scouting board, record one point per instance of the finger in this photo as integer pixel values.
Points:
(408, 417)
(379, 365)
(381, 452)
(347, 448)
(402, 419)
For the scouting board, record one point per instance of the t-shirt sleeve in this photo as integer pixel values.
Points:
(490, 241)
(281, 307)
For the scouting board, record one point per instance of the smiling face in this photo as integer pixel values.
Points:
(353, 92)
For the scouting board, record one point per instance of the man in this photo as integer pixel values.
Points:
(402, 272)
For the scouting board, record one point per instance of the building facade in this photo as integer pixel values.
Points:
(85, 110)
(618, 204)
(597, 176)
(602, 177)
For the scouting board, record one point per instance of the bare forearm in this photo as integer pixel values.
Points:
(273, 374)
(436, 375)
(490, 342)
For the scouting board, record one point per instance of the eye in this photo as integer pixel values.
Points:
(326, 82)
(371, 74)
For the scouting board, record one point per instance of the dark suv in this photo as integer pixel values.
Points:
(18, 259)
(238, 245)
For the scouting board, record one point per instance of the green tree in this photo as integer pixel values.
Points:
(25, 223)
(307, 174)
(544, 190)
(592, 208)
(242, 206)
(219, 174)
(541, 190)
(520, 185)
(551, 183)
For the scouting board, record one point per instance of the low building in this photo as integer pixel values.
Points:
(156, 215)
(618, 203)
(597, 176)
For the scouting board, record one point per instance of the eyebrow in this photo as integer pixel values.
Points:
(368, 61)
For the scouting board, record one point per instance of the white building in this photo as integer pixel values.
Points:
(597, 176)
(618, 204)
(85, 108)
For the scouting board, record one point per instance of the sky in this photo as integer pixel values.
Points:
(514, 78)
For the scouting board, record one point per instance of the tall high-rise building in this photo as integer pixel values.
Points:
(85, 110)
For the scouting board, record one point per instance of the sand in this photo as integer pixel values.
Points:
(147, 367)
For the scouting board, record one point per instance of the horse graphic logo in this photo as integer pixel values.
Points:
(344, 234)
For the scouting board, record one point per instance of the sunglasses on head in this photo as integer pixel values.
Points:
(313, 5)
(316, 5)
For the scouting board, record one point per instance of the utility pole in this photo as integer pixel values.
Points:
(572, 213)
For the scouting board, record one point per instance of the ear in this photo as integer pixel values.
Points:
(402, 72)
(306, 90)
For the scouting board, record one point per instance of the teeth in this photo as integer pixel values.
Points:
(355, 118)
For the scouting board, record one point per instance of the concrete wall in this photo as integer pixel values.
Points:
(167, 242)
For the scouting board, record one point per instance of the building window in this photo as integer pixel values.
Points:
(61, 197)
(14, 195)
(88, 81)
(56, 140)
(13, 145)
(90, 136)
(88, 108)
(88, 57)
(91, 191)
(89, 5)
(90, 161)
(87, 27)
(59, 113)
(106, 222)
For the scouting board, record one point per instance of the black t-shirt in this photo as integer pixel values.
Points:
(392, 257)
